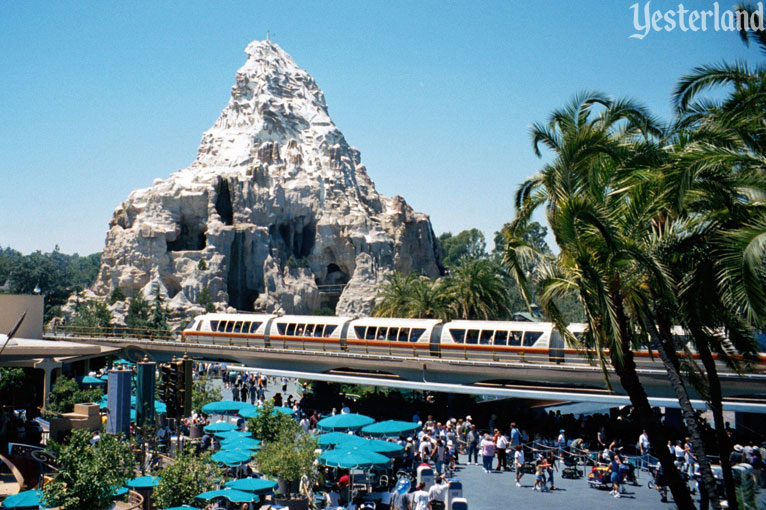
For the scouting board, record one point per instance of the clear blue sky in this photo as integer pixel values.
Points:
(101, 98)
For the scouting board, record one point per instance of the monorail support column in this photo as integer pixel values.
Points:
(47, 365)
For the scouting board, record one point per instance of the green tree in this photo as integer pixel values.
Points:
(204, 392)
(66, 393)
(202, 265)
(138, 314)
(268, 424)
(288, 457)
(88, 474)
(92, 316)
(205, 300)
(602, 227)
(393, 299)
(477, 289)
(187, 476)
(428, 300)
(469, 243)
(117, 295)
(159, 318)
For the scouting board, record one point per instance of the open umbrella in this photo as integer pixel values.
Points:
(123, 362)
(160, 407)
(88, 380)
(254, 485)
(232, 495)
(118, 492)
(353, 459)
(225, 407)
(143, 482)
(232, 458)
(229, 434)
(373, 445)
(390, 428)
(336, 438)
(240, 443)
(220, 426)
(341, 422)
(26, 499)
(252, 412)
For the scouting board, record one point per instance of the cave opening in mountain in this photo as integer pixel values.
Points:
(223, 202)
(192, 236)
(294, 237)
(241, 296)
(335, 275)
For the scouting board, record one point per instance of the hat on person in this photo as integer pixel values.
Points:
(468, 417)
(561, 431)
(737, 447)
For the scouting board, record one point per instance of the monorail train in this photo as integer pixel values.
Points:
(500, 341)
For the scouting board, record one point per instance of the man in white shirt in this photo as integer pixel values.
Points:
(419, 498)
(500, 446)
(518, 461)
(643, 446)
(437, 494)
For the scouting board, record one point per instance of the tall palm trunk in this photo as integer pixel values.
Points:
(657, 433)
(716, 406)
(664, 346)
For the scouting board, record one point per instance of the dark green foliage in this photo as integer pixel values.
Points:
(66, 393)
(293, 263)
(205, 300)
(159, 318)
(188, 476)
(56, 274)
(467, 243)
(269, 425)
(88, 475)
(138, 313)
(289, 457)
(91, 316)
(324, 310)
(202, 265)
(204, 392)
(116, 296)
(12, 380)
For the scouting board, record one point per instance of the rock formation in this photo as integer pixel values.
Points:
(275, 207)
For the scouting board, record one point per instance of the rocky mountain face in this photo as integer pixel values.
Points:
(275, 208)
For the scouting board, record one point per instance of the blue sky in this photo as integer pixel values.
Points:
(101, 98)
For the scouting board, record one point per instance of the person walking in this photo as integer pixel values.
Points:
(614, 476)
(500, 451)
(518, 463)
(643, 447)
(472, 440)
(515, 437)
(420, 498)
(551, 465)
(487, 452)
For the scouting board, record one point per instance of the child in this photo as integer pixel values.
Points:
(540, 477)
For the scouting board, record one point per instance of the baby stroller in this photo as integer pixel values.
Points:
(628, 473)
(599, 477)
(571, 471)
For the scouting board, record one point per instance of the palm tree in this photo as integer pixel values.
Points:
(429, 301)
(600, 226)
(477, 289)
(393, 300)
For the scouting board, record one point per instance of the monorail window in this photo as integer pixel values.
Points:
(486, 337)
(515, 339)
(229, 326)
(292, 330)
(300, 329)
(370, 334)
(404, 334)
(359, 330)
(318, 330)
(530, 337)
(237, 327)
(328, 330)
(199, 325)
(254, 326)
(382, 333)
(393, 334)
(281, 328)
(458, 335)
(501, 337)
(472, 337)
(308, 330)
(416, 333)
(213, 325)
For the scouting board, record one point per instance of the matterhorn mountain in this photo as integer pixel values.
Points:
(276, 213)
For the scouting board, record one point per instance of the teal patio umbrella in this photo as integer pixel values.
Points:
(232, 495)
(225, 407)
(353, 459)
(88, 381)
(232, 458)
(390, 428)
(160, 407)
(341, 422)
(26, 499)
(143, 482)
(230, 434)
(241, 443)
(220, 426)
(373, 445)
(118, 492)
(254, 485)
(336, 438)
(252, 412)
(123, 361)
